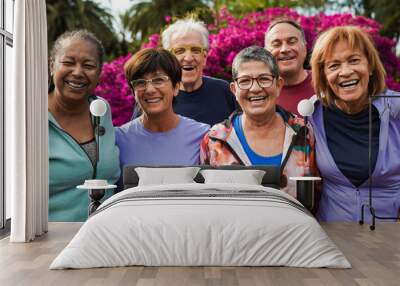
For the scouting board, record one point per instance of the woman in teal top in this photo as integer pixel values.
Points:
(75, 66)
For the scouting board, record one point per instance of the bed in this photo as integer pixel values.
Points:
(202, 222)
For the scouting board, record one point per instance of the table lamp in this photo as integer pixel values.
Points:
(96, 188)
(98, 108)
(305, 185)
(370, 183)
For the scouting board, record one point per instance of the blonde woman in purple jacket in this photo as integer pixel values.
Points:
(346, 72)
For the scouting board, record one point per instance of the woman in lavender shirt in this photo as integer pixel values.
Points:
(346, 71)
(159, 136)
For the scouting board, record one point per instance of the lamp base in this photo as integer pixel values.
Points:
(305, 193)
(374, 216)
(95, 196)
(96, 189)
(305, 190)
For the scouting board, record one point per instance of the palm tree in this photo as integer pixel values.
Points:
(147, 17)
(63, 15)
(127, 44)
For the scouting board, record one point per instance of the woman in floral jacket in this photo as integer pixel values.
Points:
(261, 133)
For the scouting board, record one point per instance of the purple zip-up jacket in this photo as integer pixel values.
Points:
(341, 200)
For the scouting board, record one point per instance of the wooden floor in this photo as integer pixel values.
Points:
(374, 255)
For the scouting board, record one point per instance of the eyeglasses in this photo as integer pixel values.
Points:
(246, 82)
(141, 84)
(195, 50)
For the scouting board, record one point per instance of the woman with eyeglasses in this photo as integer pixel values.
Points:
(261, 132)
(159, 136)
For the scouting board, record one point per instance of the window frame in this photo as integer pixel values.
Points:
(6, 39)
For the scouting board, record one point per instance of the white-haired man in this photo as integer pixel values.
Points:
(202, 98)
(286, 41)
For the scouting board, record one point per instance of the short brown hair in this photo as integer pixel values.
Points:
(356, 38)
(151, 60)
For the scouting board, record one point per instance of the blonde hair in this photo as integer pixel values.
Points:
(356, 38)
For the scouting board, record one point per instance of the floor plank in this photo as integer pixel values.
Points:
(374, 255)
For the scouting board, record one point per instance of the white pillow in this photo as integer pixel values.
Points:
(166, 176)
(248, 177)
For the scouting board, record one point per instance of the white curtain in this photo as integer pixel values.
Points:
(26, 124)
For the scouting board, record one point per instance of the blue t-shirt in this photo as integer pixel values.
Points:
(211, 103)
(254, 158)
(179, 146)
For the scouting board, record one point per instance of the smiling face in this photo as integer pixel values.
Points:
(256, 101)
(285, 42)
(347, 73)
(156, 100)
(76, 69)
(192, 64)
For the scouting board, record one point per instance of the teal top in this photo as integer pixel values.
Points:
(70, 166)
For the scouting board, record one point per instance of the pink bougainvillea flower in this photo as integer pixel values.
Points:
(167, 19)
(228, 35)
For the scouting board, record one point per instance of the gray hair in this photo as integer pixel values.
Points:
(75, 35)
(181, 27)
(84, 35)
(258, 54)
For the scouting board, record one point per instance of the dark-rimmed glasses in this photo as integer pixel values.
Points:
(141, 84)
(246, 82)
(195, 50)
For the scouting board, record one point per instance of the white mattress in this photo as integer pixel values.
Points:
(201, 224)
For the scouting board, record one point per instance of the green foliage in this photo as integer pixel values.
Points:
(148, 17)
(239, 8)
(64, 15)
(386, 12)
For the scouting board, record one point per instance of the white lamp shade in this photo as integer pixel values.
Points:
(305, 107)
(98, 107)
